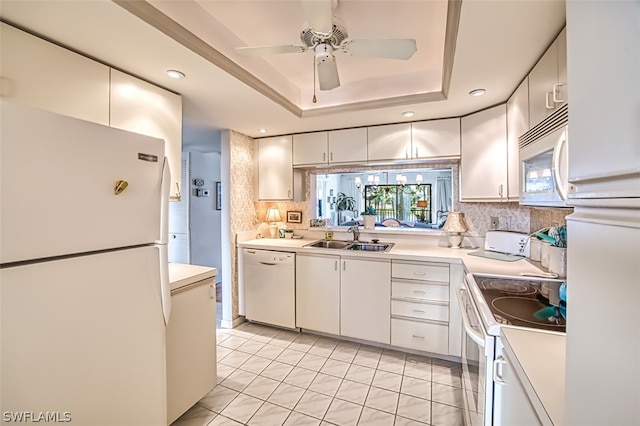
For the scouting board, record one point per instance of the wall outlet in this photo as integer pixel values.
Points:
(494, 223)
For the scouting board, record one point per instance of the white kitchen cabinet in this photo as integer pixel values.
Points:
(483, 168)
(328, 148)
(422, 336)
(348, 146)
(310, 149)
(435, 139)
(604, 135)
(420, 311)
(389, 142)
(548, 81)
(365, 290)
(275, 168)
(43, 75)
(563, 77)
(141, 107)
(318, 293)
(191, 346)
(517, 124)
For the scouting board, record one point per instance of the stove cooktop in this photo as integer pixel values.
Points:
(514, 302)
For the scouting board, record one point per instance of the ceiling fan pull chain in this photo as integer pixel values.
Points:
(314, 100)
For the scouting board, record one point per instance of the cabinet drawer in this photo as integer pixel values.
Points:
(420, 271)
(412, 290)
(420, 310)
(420, 336)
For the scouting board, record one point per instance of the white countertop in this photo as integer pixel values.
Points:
(181, 274)
(541, 369)
(405, 250)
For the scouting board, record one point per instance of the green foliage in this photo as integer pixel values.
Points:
(344, 202)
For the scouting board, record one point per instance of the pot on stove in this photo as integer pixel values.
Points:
(551, 291)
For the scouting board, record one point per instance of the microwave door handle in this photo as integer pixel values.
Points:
(475, 336)
(560, 186)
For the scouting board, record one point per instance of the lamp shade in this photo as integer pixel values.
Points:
(422, 203)
(273, 215)
(455, 223)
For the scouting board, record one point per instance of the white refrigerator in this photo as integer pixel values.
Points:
(84, 291)
(603, 246)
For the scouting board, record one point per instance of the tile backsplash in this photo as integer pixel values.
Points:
(541, 218)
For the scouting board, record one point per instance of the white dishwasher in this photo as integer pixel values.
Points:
(269, 287)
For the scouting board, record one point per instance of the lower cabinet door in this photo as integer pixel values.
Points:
(365, 294)
(318, 293)
(422, 336)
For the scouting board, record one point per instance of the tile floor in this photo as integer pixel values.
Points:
(273, 377)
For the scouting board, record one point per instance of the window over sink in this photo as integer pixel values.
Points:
(417, 198)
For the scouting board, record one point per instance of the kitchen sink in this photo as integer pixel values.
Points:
(352, 245)
(335, 244)
(371, 246)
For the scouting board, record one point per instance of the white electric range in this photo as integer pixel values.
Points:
(488, 303)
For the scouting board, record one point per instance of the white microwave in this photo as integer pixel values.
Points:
(544, 162)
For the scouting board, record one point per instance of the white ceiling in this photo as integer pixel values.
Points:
(498, 41)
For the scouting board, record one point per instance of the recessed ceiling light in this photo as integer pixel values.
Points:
(262, 130)
(477, 92)
(408, 114)
(175, 74)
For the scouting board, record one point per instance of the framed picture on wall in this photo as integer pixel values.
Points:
(294, 216)
(218, 195)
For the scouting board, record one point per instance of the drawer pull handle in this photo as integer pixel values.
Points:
(419, 291)
(418, 312)
(417, 337)
(419, 273)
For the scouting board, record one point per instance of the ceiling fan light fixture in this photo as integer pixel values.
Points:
(175, 74)
(477, 92)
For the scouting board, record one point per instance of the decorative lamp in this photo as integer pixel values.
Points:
(422, 204)
(455, 226)
(273, 216)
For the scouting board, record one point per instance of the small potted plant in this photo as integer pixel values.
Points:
(369, 218)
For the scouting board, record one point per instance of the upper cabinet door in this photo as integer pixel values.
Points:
(542, 79)
(310, 149)
(483, 168)
(517, 124)
(390, 142)
(562, 89)
(275, 168)
(46, 76)
(435, 139)
(548, 88)
(348, 145)
(140, 107)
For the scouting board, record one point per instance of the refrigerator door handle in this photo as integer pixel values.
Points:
(165, 186)
(165, 284)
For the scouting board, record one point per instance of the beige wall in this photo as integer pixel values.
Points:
(241, 192)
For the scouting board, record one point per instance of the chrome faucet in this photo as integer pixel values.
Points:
(356, 232)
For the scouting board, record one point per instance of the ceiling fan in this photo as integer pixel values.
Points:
(326, 34)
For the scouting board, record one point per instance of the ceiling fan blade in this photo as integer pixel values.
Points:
(270, 50)
(328, 78)
(393, 48)
(319, 15)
